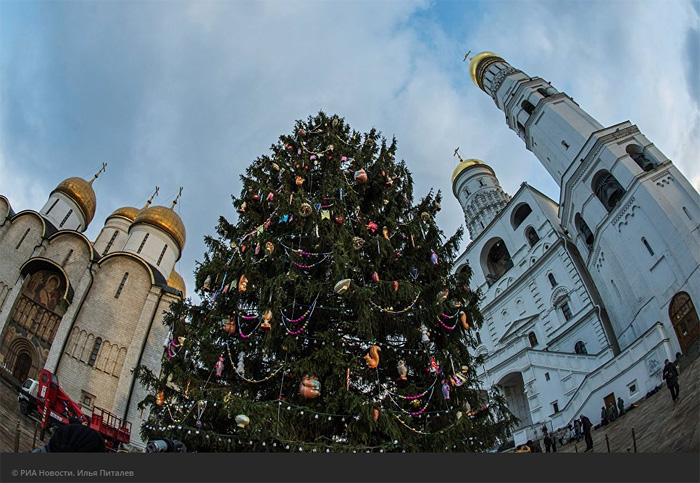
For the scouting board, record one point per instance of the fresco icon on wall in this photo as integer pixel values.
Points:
(45, 288)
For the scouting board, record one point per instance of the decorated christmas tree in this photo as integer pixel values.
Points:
(330, 318)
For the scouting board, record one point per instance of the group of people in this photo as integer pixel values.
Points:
(612, 412)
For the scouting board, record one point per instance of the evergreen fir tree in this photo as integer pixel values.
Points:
(330, 320)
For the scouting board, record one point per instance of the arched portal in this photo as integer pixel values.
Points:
(22, 359)
(684, 318)
(512, 387)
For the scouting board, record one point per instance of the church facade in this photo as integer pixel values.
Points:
(88, 311)
(585, 298)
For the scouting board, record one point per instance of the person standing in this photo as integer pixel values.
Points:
(587, 425)
(670, 375)
(547, 443)
(577, 430)
(603, 416)
(621, 405)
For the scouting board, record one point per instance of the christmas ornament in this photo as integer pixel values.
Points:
(459, 415)
(305, 210)
(376, 414)
(243, 207)
(425, 216)
(160, 398)
(265, 325)
(442, 296)
(201, 406)
(257, 249)
(401, 367)
(230, 325)
(310, 387)
(375, 277)
(434, 367)
(301, 132)
(425, 335)
(242, 420)
(339, 219)
(299, 181)
(243, 283)
(325, 215)
(347, 379)
(342, 286)
(389, 181)
(385, 232)
(396, 285)
(372, 357)
(219, 366)
(433, 257)
(437, 206)
(445, 390)
(357, 242)
(269, 248)
(463, 319)
(207, 284)
(372, 226)
(361, 176)
(276, 166)
(415, 403)
(414, 273)
(270, 196)
(240, 368)
(334, 122)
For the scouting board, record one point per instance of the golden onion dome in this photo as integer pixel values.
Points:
(81, 192)
(165, 219)
(177, 282)
(127, 212)
(474, 66)
(466, 163)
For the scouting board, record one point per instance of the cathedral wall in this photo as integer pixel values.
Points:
(111, 318)
(115, 224)
(64, 213)
(71, 251)
(152, 249)
(18, 244)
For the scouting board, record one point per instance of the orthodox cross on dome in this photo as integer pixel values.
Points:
(179, 193)
(150, 200)
(456, 153)
(466, 56)
(97, 175)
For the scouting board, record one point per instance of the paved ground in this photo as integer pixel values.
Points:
(660, 426)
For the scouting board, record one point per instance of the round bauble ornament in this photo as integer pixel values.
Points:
(342, 286)
(357, 243)
(299, 181)
(310, 387)
(361, 176)
(256, 197)
(425, 216)
(415, 403)
(339, 219)
(242, 420)
(305, 210)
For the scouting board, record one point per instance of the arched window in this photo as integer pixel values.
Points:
(95, 351)
(607, 189)
(580, 348)
(532, 338)
(498, 261)
(582, 228)
(519, 215)
(532, 236)
(527, 106)
(643, 160)
(552, 280)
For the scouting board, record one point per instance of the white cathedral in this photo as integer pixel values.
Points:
(585, 298)
(90, 312)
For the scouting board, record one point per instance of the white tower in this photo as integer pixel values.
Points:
(634, 216)
(476, 187)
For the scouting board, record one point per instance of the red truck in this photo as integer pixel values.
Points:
(55, 407)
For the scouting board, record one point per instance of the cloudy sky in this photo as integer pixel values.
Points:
(189, 93)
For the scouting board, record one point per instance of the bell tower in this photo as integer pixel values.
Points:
(634, 217)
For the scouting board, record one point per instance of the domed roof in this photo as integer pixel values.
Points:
(81, 192)
(474, 66)
(128, 212)
(466, 163)
(165, 219)
(177, 282)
